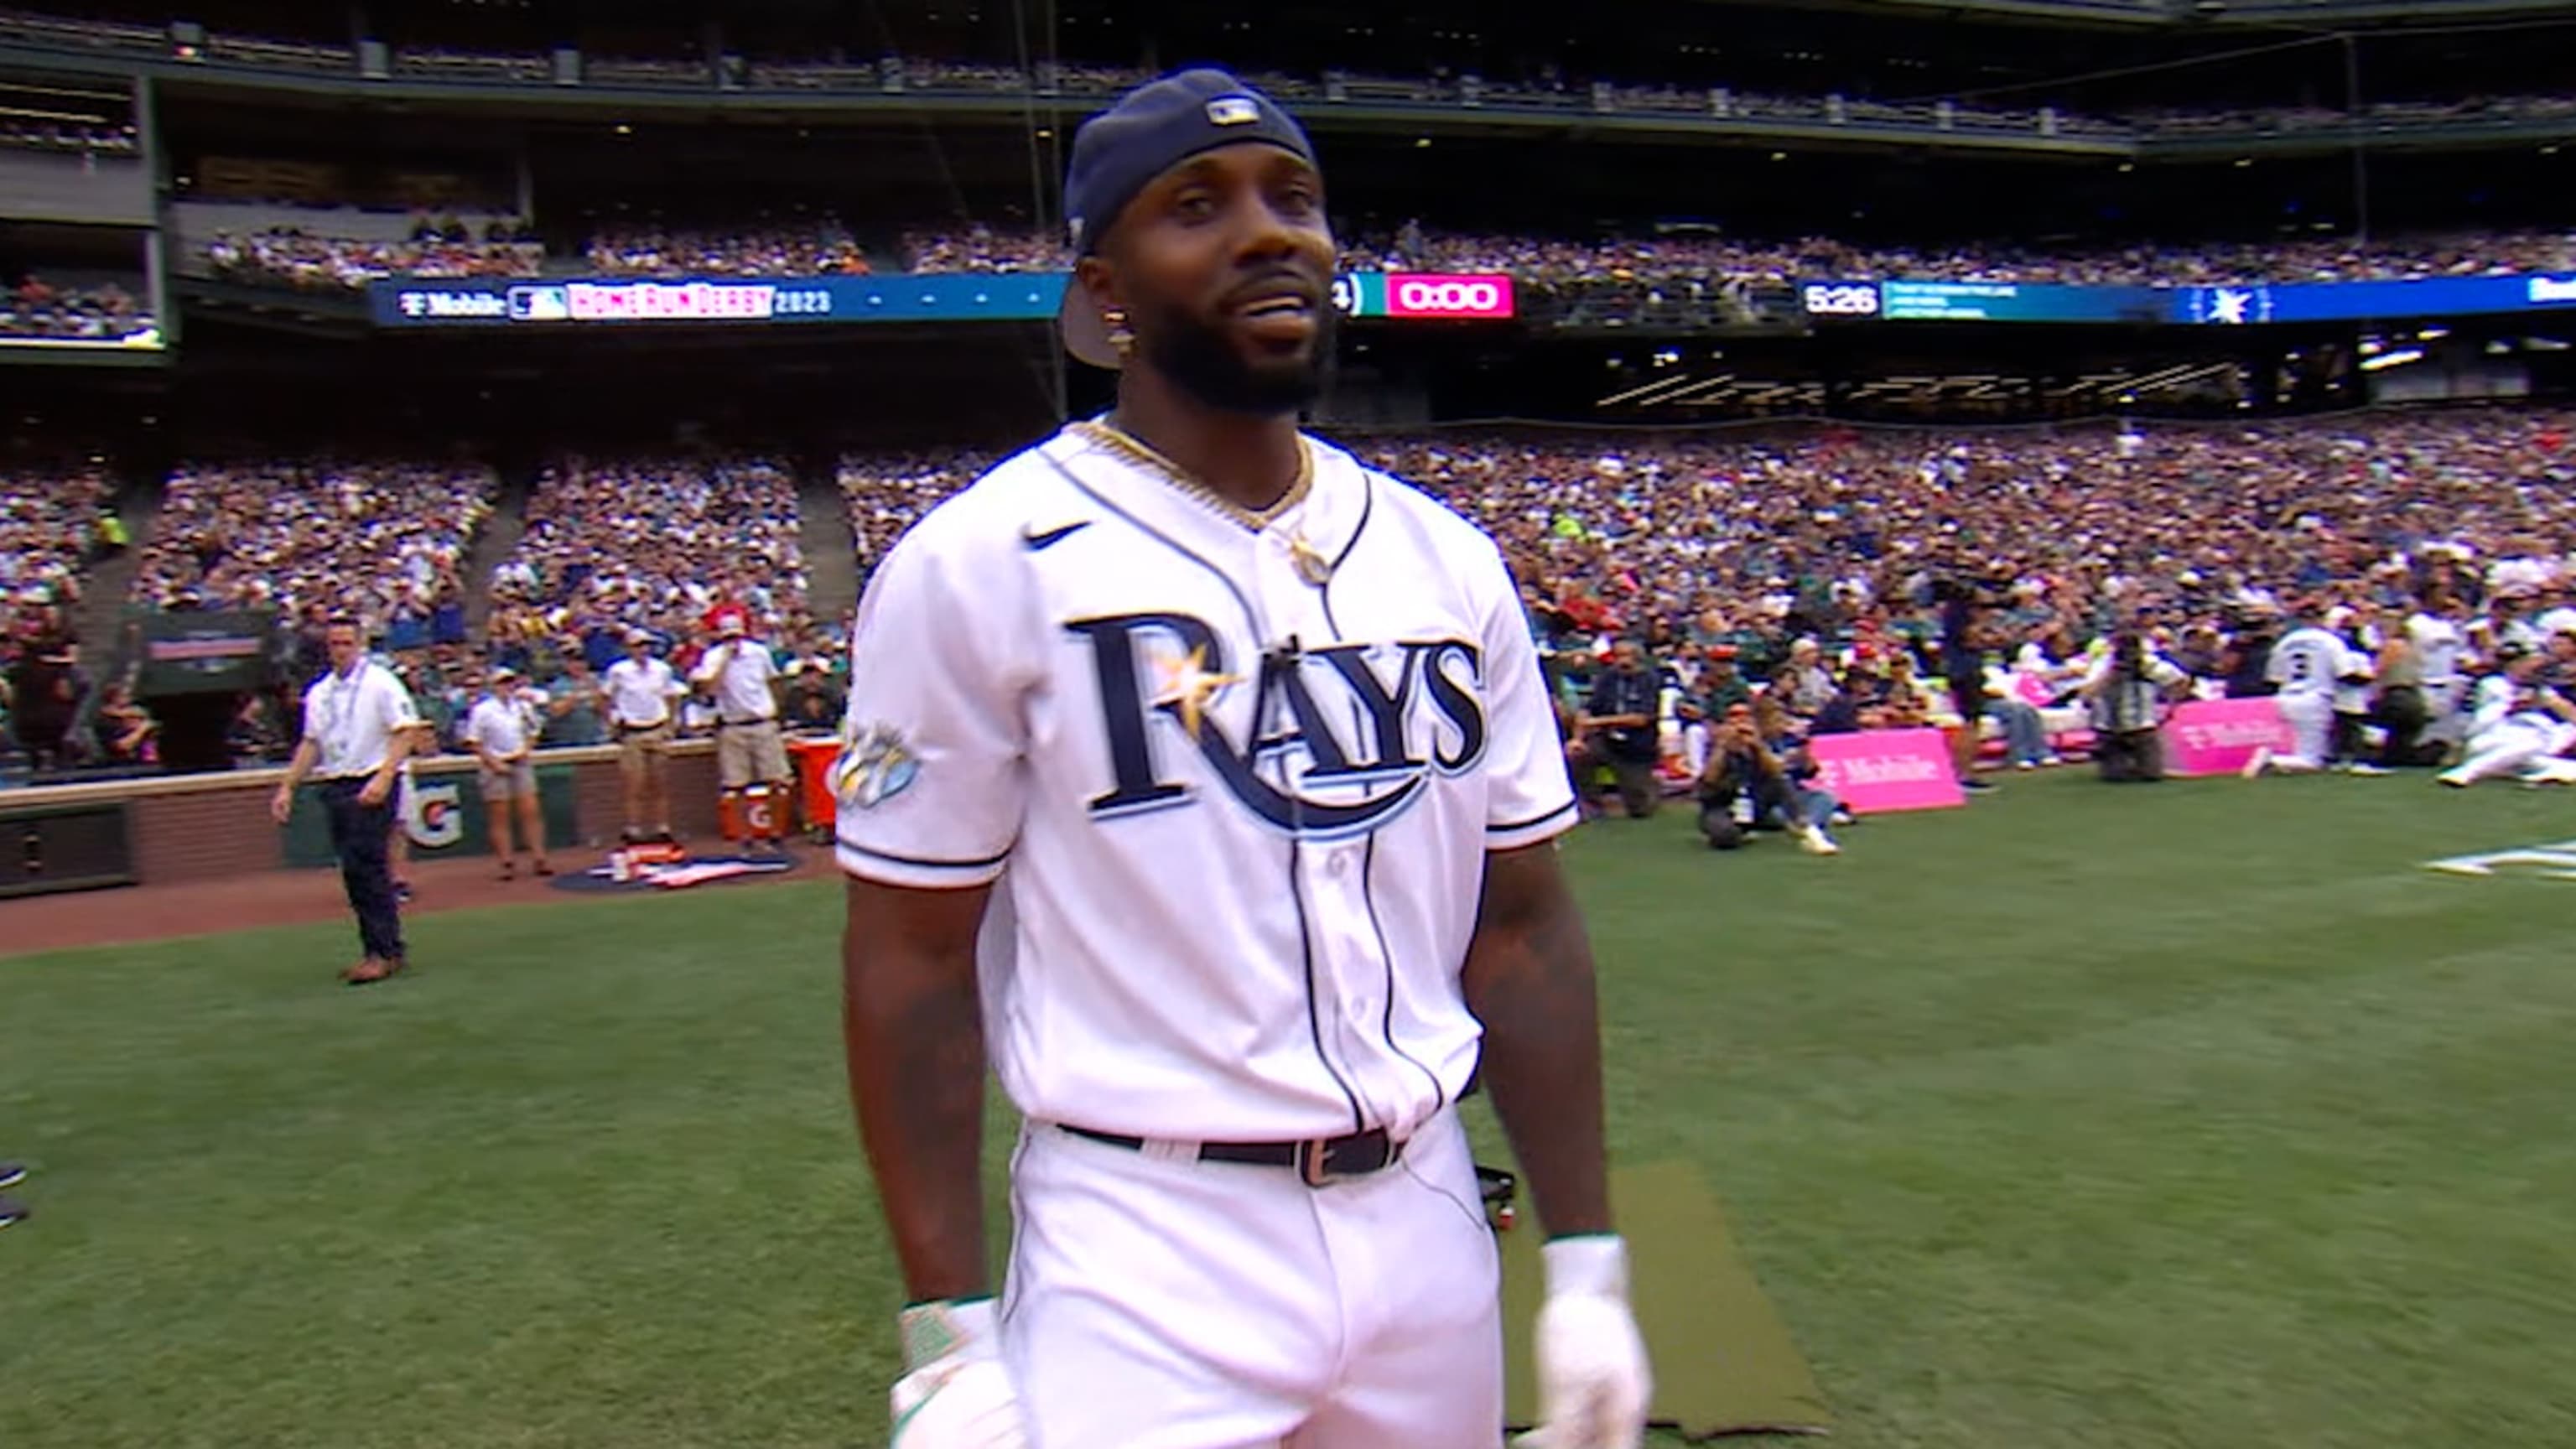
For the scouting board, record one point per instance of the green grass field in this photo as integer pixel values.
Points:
(2193, 1115)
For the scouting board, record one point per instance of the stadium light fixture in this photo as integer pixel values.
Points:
(2399, 358)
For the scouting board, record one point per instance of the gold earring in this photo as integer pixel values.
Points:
(1121, 337)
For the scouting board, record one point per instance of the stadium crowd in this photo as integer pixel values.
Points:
(2337, 259)
(886, 493)
(293, 257)
(1820, 562)
(66, 137)
(52, 523)
(383, 542)
(1800, 573)
(95, 312)
(811, 249)
(651, 544)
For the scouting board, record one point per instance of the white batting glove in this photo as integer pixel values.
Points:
(954, 1393)
(1594, 1384)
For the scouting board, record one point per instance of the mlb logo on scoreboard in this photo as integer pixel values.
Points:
(540, 304)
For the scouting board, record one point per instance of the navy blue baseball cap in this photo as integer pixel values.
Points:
(1151, 130)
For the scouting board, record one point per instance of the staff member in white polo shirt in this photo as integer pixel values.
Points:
(357, 729)
(502, 731)
(641, 691)
(739, 673)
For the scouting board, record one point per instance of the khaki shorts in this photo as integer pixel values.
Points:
(638, 750)
(748, 754)
(510, 782)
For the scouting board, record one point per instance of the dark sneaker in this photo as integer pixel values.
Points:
(12, 1174)
(12, 1212)
(1977, 787)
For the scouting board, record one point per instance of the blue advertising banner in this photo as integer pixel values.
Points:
(2356, 301)
(476, 301)
(938, 297)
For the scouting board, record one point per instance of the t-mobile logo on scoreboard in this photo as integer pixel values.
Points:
(1416, 294)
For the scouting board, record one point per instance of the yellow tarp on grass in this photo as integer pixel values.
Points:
(1724, 1362)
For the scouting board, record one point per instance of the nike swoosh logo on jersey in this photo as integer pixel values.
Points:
(1039, 542)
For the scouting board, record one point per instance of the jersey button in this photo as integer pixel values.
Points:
(1337, 863)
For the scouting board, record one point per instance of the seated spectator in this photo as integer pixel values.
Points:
(126, 732)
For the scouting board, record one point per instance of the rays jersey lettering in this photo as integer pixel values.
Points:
(1355, 730)
(1233, 880)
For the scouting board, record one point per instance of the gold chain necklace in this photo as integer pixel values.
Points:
(1256, 519)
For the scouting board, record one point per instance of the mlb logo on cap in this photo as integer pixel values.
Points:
(1233, 111)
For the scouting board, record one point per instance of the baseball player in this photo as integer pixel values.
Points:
(2307, 666)
(1207, 781)
(2517, 726)
(2434, 629)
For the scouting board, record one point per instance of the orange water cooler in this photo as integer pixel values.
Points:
(814, 756)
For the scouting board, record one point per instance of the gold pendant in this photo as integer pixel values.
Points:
(1310, 564)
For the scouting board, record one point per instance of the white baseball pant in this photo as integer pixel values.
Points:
(1160, 1303)
(2311, 719)
(2516, 747)
(2444, 720)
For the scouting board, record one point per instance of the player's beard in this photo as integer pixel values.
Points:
(1202, 361)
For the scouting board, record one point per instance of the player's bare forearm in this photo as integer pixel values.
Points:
(915, 1035)
(1528, 979)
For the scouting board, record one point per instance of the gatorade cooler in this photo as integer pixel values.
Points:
(814, 756)
(757, 813)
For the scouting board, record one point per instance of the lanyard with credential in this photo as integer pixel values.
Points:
(338, 705)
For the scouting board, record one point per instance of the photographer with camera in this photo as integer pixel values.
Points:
(1748, 785)
(1963, 597)
(1620, 729)
(2127, 688)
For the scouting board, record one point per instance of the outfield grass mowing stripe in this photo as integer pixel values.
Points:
(2078, 1117)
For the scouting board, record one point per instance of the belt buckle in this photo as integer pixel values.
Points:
(1312, 1167)
(1315, 1158)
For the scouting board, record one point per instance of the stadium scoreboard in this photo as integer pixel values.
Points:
(2197, 306)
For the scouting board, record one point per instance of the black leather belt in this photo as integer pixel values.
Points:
(1318, 1161)
(742, 724)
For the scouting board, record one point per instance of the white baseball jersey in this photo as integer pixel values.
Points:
(2307, 661)
(2439, 644)
(2500, 703)
(1238, 787)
